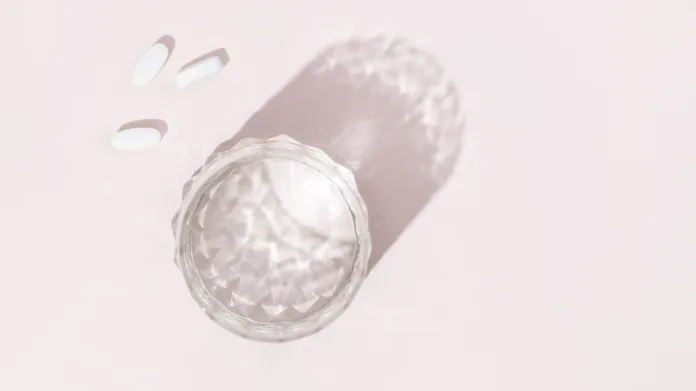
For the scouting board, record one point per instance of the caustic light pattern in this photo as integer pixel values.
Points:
(268, 249)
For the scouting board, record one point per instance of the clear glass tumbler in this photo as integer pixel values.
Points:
(272, 238)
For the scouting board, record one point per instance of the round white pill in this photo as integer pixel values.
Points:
(150, 64)
(135, 138)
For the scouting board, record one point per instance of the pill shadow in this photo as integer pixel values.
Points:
(169, 42)
(383, 108)
(220, 52)
(153, 123)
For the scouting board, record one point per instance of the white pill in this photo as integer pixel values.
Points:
(135, 138)
(199, 70)
(150, 64)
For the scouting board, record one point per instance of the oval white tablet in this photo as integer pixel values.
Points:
(150, 64)
(199, 70)
(135, 138)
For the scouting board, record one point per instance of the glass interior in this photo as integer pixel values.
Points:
(274, 240)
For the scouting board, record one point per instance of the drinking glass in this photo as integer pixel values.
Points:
(272, 238)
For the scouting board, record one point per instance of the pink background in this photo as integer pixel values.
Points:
(560, 256)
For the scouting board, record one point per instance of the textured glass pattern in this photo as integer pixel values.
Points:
(273, 238)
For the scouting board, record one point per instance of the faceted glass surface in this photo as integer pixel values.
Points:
(273, 239)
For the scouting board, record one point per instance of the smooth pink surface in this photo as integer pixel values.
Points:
(561, 255)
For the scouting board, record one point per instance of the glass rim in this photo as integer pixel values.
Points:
(247, 151)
